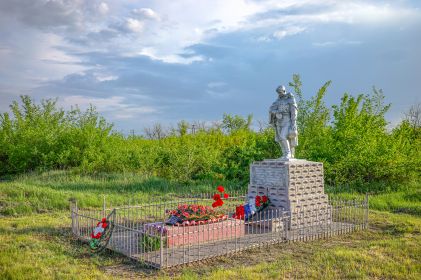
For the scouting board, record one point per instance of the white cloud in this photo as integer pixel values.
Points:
(103, 8)
(170, 58)
(146, 13)
(183, 24)
(293, 30)
(30, 57)
(336, 43)
(105, 77)
(168, 28)
(118, 107)
(134, 25)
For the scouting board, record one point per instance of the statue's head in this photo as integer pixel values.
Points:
(281, 91)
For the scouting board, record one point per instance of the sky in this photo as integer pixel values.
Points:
(146, 62)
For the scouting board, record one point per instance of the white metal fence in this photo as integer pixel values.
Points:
(139, 230)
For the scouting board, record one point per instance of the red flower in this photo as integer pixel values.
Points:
(185, 214)
(97, 236)
(104, 225)
(220, 189)
(226, 195)
(258, 201)
(239, 212)
(217, 203)
(264, 199)
(194, 208)
(216, 197)
(103, 220)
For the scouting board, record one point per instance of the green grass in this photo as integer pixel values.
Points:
(40, 247)
(35, 239)
(35, 247)
(402, 201)
(51, 191)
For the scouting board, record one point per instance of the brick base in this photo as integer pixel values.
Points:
(191, 235)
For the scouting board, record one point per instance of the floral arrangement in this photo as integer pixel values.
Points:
(99, 229)
(194, 214)
(99, 233)
(217, 197)
(252, 207)
(261, 202)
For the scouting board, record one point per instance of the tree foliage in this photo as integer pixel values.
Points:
(350, 138)
(41, 136)
(232, 124)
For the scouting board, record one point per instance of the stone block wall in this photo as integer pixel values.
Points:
(296, 186)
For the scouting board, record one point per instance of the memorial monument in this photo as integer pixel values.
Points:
(294, 185)
(283, 117)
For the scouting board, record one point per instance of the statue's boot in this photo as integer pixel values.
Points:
(286, 152)
(292, 152)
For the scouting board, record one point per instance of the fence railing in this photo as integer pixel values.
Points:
(140, 232)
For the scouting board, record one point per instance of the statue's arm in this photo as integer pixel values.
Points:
(294, 112)
(271, 118)
(272, 113)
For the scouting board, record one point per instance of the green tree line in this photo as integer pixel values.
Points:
(350, 138)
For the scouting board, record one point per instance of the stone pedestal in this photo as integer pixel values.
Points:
(297, 186)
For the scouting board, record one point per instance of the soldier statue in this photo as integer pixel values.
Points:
(283, 117)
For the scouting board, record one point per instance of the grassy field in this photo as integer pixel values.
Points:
(35, 239)
(40, 247)
(51, 191)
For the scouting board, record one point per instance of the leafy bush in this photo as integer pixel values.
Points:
(41, 136)
(351, 139)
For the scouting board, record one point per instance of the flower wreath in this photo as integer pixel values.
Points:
(101, 234)
(256, 205)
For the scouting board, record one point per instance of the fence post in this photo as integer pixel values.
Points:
(103, 207)
(77, 219)
(161, 249)
(72, 205)
(366, 210)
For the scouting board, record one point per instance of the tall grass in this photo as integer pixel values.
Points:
(51, 191)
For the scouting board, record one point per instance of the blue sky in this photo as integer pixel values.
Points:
(143, 62)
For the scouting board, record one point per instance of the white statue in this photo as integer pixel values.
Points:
(283, 117)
